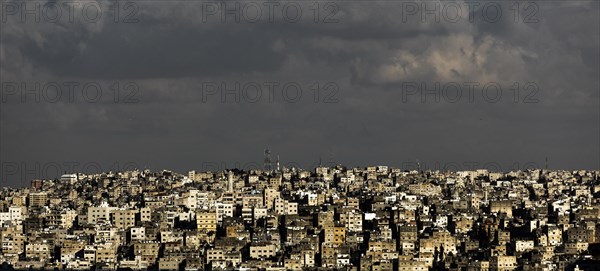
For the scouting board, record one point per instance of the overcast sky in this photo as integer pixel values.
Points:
(168, 71)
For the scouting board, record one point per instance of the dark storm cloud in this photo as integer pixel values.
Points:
(141, 52)
(370, 53)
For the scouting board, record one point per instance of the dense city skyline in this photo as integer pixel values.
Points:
(329, 218)
(300, 135)
(22, 174)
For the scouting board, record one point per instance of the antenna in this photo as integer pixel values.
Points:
(278, 168)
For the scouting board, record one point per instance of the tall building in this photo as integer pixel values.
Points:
(230, 181)
(267, 164)
(38, 199)
(206, 220)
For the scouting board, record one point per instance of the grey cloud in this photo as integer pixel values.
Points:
(369, 53)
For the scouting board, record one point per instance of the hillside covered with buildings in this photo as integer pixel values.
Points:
(329, 218)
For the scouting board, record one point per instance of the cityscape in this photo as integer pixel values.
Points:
(410, 135)
(327, 218)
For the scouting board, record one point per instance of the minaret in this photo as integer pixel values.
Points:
(230, 181)
(278, 168)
